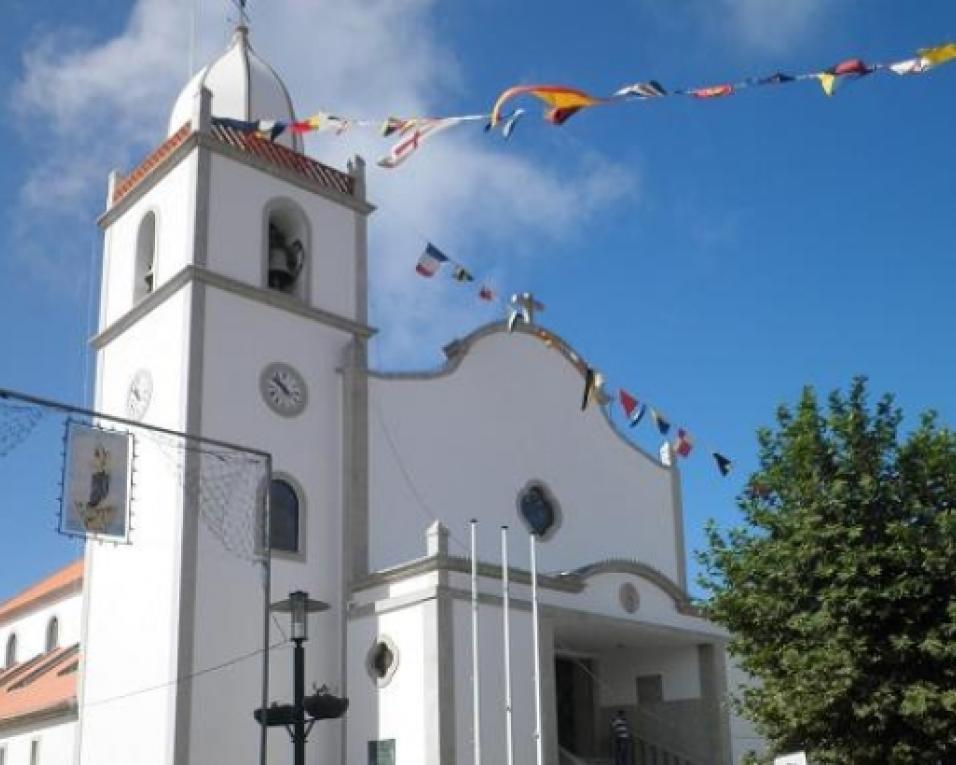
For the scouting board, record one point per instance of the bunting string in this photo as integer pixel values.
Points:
(562, 102)
(521, 309)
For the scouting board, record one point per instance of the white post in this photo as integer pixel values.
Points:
(506, 620)
(476, 682)
(539, 750)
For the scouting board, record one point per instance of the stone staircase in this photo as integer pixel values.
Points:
(645, 753)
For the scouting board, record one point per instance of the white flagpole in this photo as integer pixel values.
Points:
(506, 620)
(476, 683)
(539, 750)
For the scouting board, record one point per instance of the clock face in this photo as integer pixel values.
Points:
(283, 389)
(139, 395)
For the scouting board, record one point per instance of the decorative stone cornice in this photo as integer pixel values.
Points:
(195, 274)
(574, 581)
(456, 564)
(644, 571)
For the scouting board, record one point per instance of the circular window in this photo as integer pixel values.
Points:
(539, 510)
(629, 597)
(382, 660)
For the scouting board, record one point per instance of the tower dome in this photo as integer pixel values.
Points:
(243, 86)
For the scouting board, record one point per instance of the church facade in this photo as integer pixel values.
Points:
(234, 306)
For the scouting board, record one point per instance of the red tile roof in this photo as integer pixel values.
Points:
(273, 153)
(128, 183)
(286, 158)
(45, 683)
(67, 579)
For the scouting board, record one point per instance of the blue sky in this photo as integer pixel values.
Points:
(711, 257)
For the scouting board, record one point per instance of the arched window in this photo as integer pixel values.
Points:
(145, 272)
(53, 634)
(287, 243)
(284, 516)
(11, 653)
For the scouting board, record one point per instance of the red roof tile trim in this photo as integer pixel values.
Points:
(65, 578)
(45, 683)
(154, 160)
(273, 153)
(280, 156)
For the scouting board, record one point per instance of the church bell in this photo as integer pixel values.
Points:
(285, 260)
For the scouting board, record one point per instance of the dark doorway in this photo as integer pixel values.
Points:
(575, 704)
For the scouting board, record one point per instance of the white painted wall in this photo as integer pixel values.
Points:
(132, 591)
(743, 735)
(30, 626)
(238, 233)
(57, 736)
(56, 740)
(173, 202)
(469, 441)
(241, 338)
(619, 670)
(399, 709)
(132, 639)
(491, 660)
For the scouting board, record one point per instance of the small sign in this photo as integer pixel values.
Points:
(96, 483)
(797, 758)
(381, 752)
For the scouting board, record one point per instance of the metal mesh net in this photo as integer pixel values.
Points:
(226, 486)
(17, 422)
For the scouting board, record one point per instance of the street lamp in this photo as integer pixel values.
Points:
(299, 605)
(321, 705)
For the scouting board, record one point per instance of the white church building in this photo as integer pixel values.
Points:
(234, 305)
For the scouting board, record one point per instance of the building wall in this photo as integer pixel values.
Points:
(620, 669)
(131, 607)
(56, 739)
(401, 708)
(744, 737)
(464, 444)
(492, 680)
(56, 734)
(173, 202)
(240, 340)
(30, 626)
(237, 214)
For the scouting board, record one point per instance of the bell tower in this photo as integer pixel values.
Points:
(235, 281)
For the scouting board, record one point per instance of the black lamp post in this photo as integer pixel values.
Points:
(321, 705)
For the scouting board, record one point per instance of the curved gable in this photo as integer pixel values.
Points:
(457, 351)
(462, 441)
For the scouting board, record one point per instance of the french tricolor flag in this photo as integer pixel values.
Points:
(632, 407)
(430, 261)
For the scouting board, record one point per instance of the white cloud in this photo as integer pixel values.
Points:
(104, 104)
(770, 25)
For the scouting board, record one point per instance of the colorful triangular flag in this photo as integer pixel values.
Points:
(633, 409)
(723, 463)
(683, 444)
(715, 91)
(663, 426)
(939, 54)
(911, 66)
(649, 89)
(430, 261)
(777, 78)
(461, 274)
(851, 69)
(593, 381)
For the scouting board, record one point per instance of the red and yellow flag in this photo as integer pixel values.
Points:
(564, 101)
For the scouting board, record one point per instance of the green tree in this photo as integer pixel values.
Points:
(840, 587)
